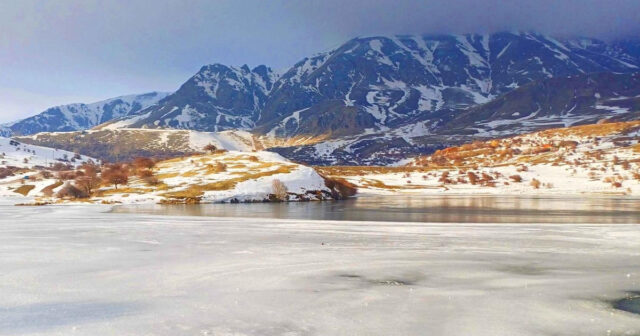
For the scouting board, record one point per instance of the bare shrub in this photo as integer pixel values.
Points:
(444, 178)
(115, 174)
(473, 178)
(535, 183)
(516, 178)
(71, 191)
(340, 188)
(66, 175)
(217, 167)
(211, 148)
(87, 183)
(143, 163)
(279, 190)
(144, 173)
(58, 166)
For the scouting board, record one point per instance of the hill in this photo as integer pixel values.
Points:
(593, 159)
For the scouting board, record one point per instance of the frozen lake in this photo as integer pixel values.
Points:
(428, 209)
(72, 270)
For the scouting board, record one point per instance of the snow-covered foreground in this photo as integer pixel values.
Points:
(71, 270)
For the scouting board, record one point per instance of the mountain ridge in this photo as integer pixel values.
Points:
(81, 116)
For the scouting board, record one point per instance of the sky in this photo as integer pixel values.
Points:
(56, 52)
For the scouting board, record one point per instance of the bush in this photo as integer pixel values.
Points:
(7, 171)
(66, 175)
(279, 190)
(71, 191)
(340, 188)
(145, 173)
(535, 183)
(115, 174)
(211, 148)
(59, 166)
(87, 183)
(143, 163)
(444, 178)
(473, 178)
(516, 178)
(151, 180)
(217, 167)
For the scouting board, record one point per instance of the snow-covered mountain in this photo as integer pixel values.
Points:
(554, 102)
(376, 100)
(377, 83)
(74, 117)
(218, 97)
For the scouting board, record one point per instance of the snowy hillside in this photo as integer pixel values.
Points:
(215, 177)
(74, 117)
(17, 154)
(128, 143)
(591, 159)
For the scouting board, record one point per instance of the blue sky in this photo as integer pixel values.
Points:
(60, 51)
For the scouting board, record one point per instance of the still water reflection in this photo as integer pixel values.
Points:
(433, 209)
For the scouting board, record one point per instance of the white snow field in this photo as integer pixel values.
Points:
(73, 270)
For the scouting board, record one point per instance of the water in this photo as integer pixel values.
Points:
(426, 209)
(629, 304)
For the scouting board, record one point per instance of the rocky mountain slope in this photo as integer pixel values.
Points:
(74, 117)
(217, 98)
(555, 102)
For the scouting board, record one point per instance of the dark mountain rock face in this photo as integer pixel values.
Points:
(217, 98)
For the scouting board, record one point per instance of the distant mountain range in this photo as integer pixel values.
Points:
(377, 100)
(75, 117)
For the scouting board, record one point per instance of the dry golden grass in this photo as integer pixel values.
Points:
(48, 190)
(593, 130)
(125, 190)
(24, 189)
(195, 191)
(167, 175)
(338, 171)
(373, 183)
(190, 173)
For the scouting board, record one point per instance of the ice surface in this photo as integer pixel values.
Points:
(71, 270)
